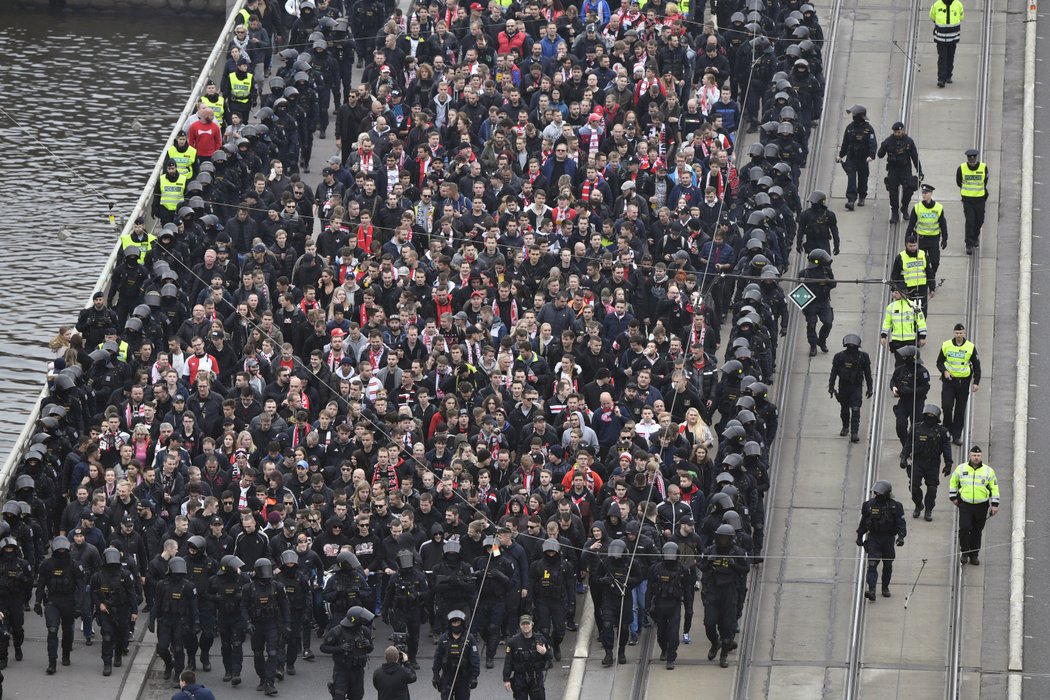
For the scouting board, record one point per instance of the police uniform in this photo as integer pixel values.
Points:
(914, 273)
(59, 579)
(947, 17)
(349, 642)
(618, 580)
(818, 228)
(495, 577)
(927, 443)
(201, 569)
(882, 520)
(175, 616)
(820, 280)
(903, 325)
(668, 583)
(972, 180)
(973, 488)
(224, 589)
(297, 589)
(858, 146)
(851, 370)
(16, 581)
(406, 593)
(929, 223)
(524, 667)
(264, 612)
(961, 362)
(723, 565)
(114, 588)
(901, 154)
(910, 383)
(457, 664)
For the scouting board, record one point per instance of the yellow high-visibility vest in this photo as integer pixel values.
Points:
(957, 358)
(914, 268)
(171, 193)
(974, 485)
(902, 321)
(929, 218)
(240, 88)
(973, 181)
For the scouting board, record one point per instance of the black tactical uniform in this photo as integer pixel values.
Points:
(114, 601)
(16, 580)
(818, 226)
(300, 601)
(403, 602)
(224, 589)
(668, 583)
(494, 580)
(852, 369)
(858, 147)
(349, 642)
(551, 581)
(59, 579)
(882, 519)
(820, 280)
(927, 442)
(453, 583)
(201, 568)
(175, 616)
(901, 154)
(457, 663)
(910, 383)
(524, 666)
(264, 612)
(346, 588)
(723, 565)
(618, 579)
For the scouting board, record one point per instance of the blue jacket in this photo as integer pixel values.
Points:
(194, 691)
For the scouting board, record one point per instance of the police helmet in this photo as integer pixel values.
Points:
(405, 560)
(807, 46)
(9, 541)
(457, 615)
(231, 562)
(772, 151)
(755, 150)
(5, 529)
(152, 299)
(263, 568)
(742, 353)
(741, 342)
(133, 325)
(280, 103)
(49, 423)
(737, 18)
(55, 410)
(551, 545)
(752, 292)
(932, 409)
(197, 542)
(40, 438)
(792, 51)
(61, 543)
(858, 111)
(851, 339)
(725, 530)
(24, 482)
(169, 291)
(111, 555)
(732, 518)
(670, 551)
(230, 148)
(762, 200)
(132, 251)
(262, 130)
(220, 156)
(264, 114)
(731, 461)
(790, 23)
(745, 403)
(760, 260)
(277, 84)
(757, 218)
(11, 508)
(786, 129)
(732, 367)
(908, 351)
(807, 8)
(617, 548)
(243, 143)
(769, 128)
(781, 168)
(734, 432)
(451, 547)
(819, 256)
(289, 558)
(177, 565)
(754, 244)
(361, 614)
(882, 488)
(347, 560)
(745, 416)
(800, 33)
(752, 449)
(776, 192)
(289, 93)
(141, 312)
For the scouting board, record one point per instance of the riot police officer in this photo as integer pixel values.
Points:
(264, 612)
(525, 665)
(403, 602)
(927, 440)
(457, 663)
(453, 582)
(175, 608)
(858, 149)
(16, 580)
(114, 602)
(723, 565)
(297, 589)
(618, 580)
(225, 590)
(59, 579)
(882, 520)
(820, 280)
(201, 568)
(549, 578)
(668, 582)
(901, 154)
(347, 587)
(349, 642)
(910, 383)
(852, 369)
(495, 576)
(817, 226)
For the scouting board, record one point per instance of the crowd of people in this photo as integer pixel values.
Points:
(466, 378)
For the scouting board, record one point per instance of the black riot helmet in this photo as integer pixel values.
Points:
(177, 566)
(851, 340)
(617, 548)
(110, 556)
(670, 551)
(405, 560)
(289, 558)
(882, 488)
(263, 568)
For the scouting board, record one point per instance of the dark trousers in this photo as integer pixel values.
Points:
(900, 183)
(231, 643)
(487, 623)
(459, 691)
(616, 615)
(537, 693)
(549, 613)
(945, 60)
(292, 644)
(972, 517)
(881, 549)
(59, 613)
(856, 177)
(265, 640)
(114, 629)
(171, 644)
(931, 245)
(850, 400)
(955, 394)
(408, 622)
(690, 597)
(819, 311)
(720, 619)
(973, 212)
(347, 681)
(905, 413)
(928, 473)
(14, 618)
(207, 635)
(667, 614)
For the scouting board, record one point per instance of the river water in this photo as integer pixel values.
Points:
(87, 103)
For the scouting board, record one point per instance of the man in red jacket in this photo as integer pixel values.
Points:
(205, 135)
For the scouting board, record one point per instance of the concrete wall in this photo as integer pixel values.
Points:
(217, 8)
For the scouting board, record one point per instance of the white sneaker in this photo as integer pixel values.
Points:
(686, 639)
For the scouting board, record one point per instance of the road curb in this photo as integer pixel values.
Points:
(138, 664)
(582, 652)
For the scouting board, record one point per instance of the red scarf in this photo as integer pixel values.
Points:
(364, 238)
(365, 160)
(513, 311)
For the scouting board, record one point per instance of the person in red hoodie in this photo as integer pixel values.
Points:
(204, 134)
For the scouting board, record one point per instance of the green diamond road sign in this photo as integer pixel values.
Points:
(802, 296)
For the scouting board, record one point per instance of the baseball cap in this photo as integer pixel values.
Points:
(338, 332)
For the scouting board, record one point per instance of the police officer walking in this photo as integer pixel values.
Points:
(820, 280)
(347, 587)
(975, 492)
(947, 17)
(300, 601)
(901, 154)
(264, 611)
(225, 590)
(722, 567)
(549, 580)
(930, 224)
(927, 441)
(910, 384)
(59, 579)
(665, 596)
(16, 582)
(882, 520)
(903, 325)
(852, 370)
(818, 227)
(175, 608)
(114, 599)
(457, 663)
(349, 642)
(972, 180)
(201, 568)
(913, 271)
(858, 149)
(403, 602)
(960, 369)
(526, 661)
(618, 580)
